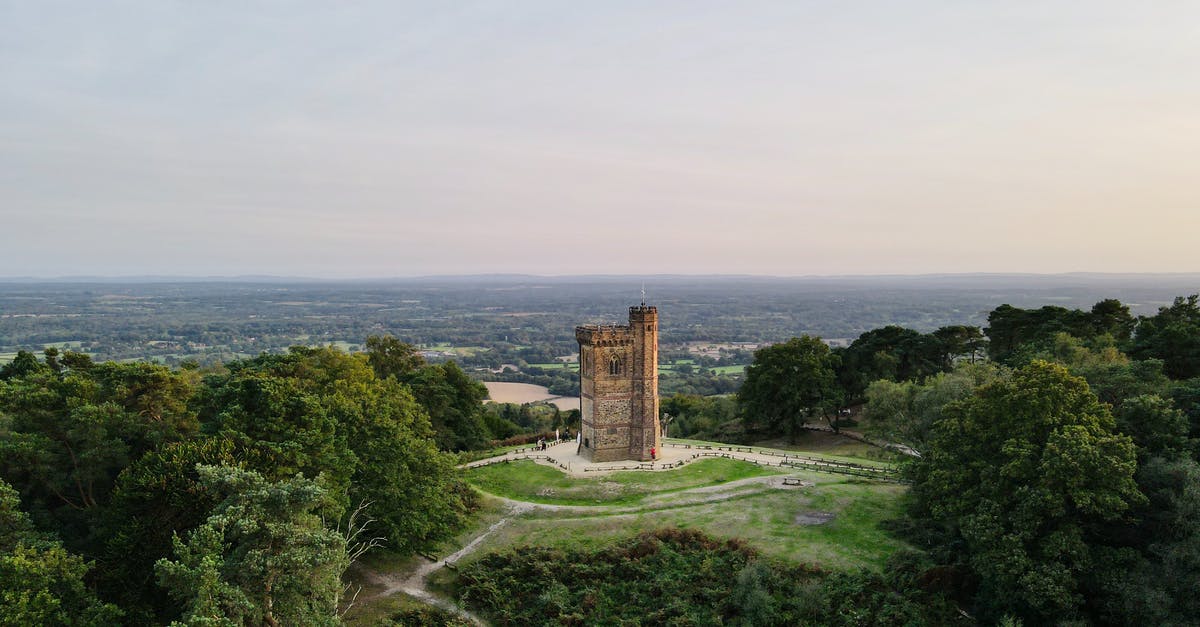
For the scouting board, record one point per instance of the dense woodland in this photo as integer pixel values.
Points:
(137, 494)
(1056, 480)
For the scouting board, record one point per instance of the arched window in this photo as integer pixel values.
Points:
(614, 365)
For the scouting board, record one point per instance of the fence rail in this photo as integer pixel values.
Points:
(505, 460)
(801, 462)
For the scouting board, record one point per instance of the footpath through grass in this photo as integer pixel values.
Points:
(834, 523)
(528, 481)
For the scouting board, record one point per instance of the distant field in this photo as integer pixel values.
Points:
(557, 366)
(522, 393)
(461, 351)
(674, 366)
(71, 345)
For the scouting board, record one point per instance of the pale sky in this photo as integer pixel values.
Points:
(378, 139)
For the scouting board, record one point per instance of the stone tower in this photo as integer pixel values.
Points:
(618, 388)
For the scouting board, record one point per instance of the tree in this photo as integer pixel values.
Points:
(40, 582)
(1150, 572)
(454, 403)
(24, 364)
(1157, 428)
(788, 383)
(1017, 476)
(289, 432)
(1011, 329)
(415, 495)
(263, 557)
(322, 411)
(1186, 396)
(960, 341)
(906, 412)
(892, 353)
(157, 498)
(70, 434)
(389, 357)
(1111, 317)
(1172, 335)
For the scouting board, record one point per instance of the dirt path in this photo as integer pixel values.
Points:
(412, 581)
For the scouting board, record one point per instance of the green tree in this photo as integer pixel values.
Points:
(788, 383)
(1111, 317)
(415, 494)
(454, 403)
(158, 497)
(24, 364)
(1017, 476)
(263, 557)
(1013, 333)
(69, 435)
(1156, 426)
(320, 410)
(389, 357)
(289, 432)
(40, 582)
(905, 412)
(959, 342)
(896, 354)
(1149, 571)
(1172, 335)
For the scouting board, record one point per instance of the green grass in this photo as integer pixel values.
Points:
(462, 351)
(766, 518)
(528, 481)
(625, 504)
(728, 369)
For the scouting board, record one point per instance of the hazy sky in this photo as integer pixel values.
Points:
(361, 139)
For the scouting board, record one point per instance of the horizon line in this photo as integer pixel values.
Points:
(522, 275)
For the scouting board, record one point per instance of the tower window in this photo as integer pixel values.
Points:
(614, 365)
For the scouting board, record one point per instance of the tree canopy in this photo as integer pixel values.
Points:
(1017, 476)
(788, 383)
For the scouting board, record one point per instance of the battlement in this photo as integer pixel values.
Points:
(604, 334)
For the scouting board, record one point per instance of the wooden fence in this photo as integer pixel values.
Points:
(786, 460)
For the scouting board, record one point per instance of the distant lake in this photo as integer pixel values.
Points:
(527, 393)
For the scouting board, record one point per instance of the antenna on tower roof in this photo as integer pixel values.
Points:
(643, 294)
